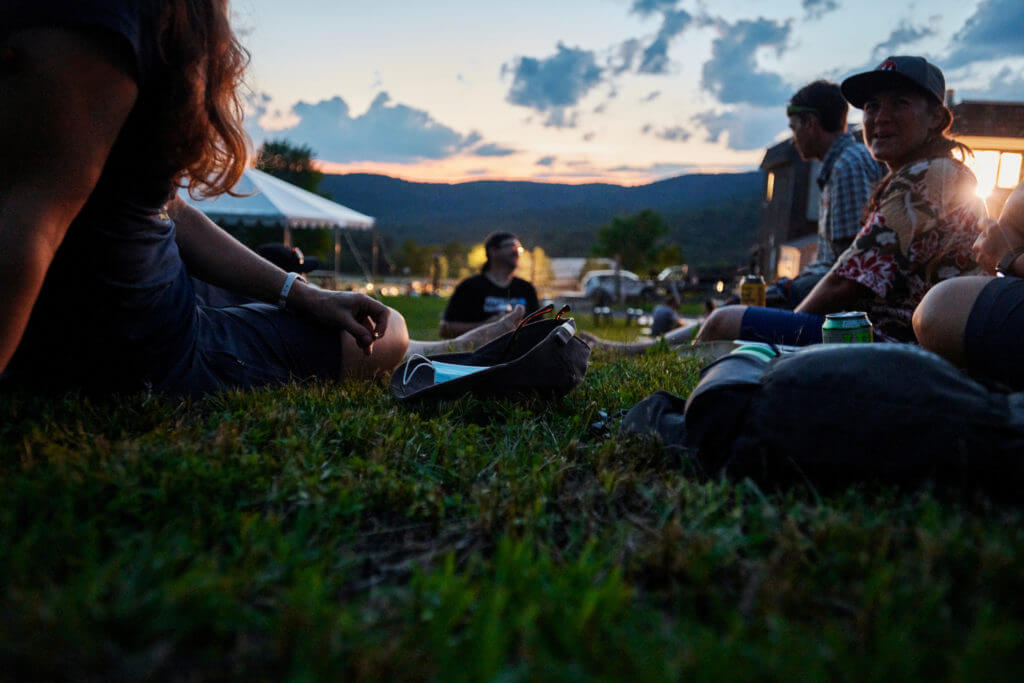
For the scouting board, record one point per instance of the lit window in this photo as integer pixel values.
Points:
(985, 166)
(769, 190)
(1009, 170)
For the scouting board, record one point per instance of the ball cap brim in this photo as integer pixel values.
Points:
(895, 72)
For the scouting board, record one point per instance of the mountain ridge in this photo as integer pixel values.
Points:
(713, 217)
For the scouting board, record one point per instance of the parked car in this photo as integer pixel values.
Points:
(675, 278)
(599, 285)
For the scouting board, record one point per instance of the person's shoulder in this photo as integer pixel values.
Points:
(119, 22)
(937, 174)
(940, 182)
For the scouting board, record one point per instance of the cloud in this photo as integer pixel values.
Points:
(904, 34)
(386, 132)
(560, 118)
(624, 56)
(492, 149)
(651, 96)
(648, 7)
(587, 137)
(732, 74)
(546, 161)
(1007, 85)
(747, 127)
(655, 58)
(992, 32)
(673, 134)
(816, 9)
(556, 82)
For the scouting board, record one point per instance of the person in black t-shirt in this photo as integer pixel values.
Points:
(491, 294)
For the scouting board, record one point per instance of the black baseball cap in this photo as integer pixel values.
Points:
(895, 72)
(287, 258)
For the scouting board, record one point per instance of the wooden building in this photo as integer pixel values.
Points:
(789, 218)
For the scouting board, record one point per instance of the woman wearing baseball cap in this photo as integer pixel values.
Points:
(919, 226)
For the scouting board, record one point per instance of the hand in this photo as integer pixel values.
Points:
(991, 245)
(364, 318)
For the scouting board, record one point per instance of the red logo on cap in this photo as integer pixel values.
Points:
(887, 65)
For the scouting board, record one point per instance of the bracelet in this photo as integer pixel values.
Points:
(282, 298)
(1005, 266)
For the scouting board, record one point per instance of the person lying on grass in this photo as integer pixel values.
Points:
(109, 106)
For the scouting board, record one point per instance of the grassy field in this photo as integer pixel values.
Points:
(328, 533)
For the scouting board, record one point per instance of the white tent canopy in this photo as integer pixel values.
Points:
(266, 200)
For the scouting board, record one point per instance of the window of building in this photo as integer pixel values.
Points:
(769, 188)
(1009, 170)
(994, 169)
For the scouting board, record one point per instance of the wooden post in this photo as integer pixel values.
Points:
(618, 278)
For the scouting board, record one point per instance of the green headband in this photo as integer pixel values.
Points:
(794, 109)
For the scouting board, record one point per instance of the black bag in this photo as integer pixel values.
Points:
(540, 357)
(835, 413)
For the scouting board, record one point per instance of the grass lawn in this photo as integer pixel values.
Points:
(329, 533)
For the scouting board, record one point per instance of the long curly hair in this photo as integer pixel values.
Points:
(203, 64)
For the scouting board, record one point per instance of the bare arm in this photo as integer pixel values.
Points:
(213, 255)
(1006, 235)
(65, 97)
(832, 294)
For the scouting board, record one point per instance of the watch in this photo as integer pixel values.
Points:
(1005, 266)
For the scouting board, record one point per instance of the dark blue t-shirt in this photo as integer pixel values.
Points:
(476, 299)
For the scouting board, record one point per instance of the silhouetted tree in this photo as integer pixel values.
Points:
(636, 239)
(291, 163)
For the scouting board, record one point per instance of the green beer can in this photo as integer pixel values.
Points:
(848, 327)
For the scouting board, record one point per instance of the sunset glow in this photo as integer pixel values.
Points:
(620, 91)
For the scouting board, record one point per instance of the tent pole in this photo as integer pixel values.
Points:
(287, 235)
(337, 251)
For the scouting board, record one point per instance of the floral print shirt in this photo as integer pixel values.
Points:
(919, 233)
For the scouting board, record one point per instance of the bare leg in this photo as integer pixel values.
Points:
(674, 338)
(723, 323)
(468, 341)
(940, 320)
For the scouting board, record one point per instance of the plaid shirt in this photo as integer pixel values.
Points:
(848, 174)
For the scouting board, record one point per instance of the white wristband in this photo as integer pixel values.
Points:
(282, 298)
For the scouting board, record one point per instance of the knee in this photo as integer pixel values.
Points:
(931, 319)
(940, 320)
(389, 350)
(385, 355)
(723, 323)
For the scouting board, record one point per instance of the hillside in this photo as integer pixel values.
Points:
(712, 217)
